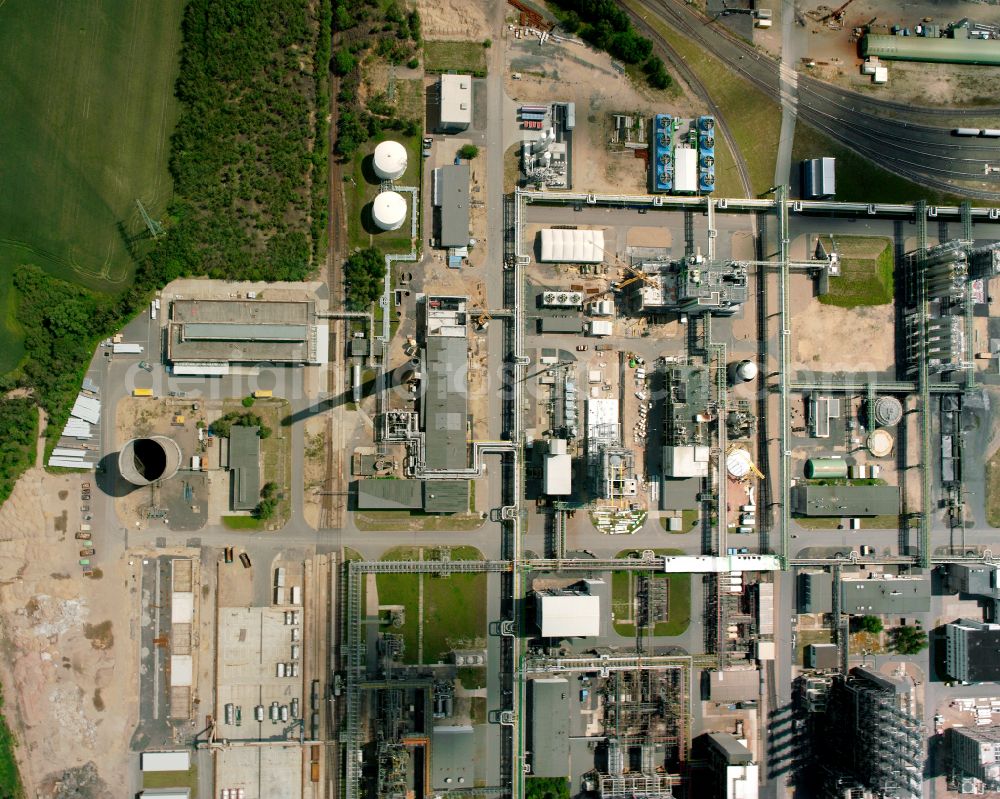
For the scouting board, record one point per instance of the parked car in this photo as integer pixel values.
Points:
(85, 486)
(88, 518)
(581, 347)
(85, 508)
(145, 365)
(86, 553)
(228, 554)
(245, 560)
(82, 536)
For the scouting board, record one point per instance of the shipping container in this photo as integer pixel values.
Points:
(296, 595)
(264, 394)
(126, 349)
(279, 577)
(142, 392)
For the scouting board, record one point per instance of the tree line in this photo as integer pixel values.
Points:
(603, 24)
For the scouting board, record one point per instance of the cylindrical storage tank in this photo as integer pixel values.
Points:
(738, 463)
(817, 468)
(886, 412)
(148, 460)
(389, 160)
(742, 371)
(389, 210)
(880, 443)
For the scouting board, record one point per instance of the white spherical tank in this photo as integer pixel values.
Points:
(389, 210)
(389, 160)
(738, 463)
(742, 371)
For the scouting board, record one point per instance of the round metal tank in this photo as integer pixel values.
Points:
(389, 160)
(886, 412)
(880, 443)
(742, 371)
(389, 210)
(825, 467)
(149, 460)
(738, 463)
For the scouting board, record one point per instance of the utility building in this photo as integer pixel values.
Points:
(244, 466)
(444, 402)
(550, 727)
(451, 204)
(845, 500)
(975, 757)
(429, 496)
(819, 178)
(735, 775)
(455, 94)
(568, 613)
(882, 594)
(973, 651)
(558, 469)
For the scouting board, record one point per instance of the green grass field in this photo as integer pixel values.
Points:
(86, 112)
(172, 779)
(993, 490)
(455, 57)
(866, 271)
(623, 587)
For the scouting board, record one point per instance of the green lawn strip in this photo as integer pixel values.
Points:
(172, 779)
(993, 490)
(467, 57)
(866, 271)
(454, 614)
(806, 637)
(753, 118)
(472, 677)
(242, 523)
(402, 589)
(858, 179)
(623, 585)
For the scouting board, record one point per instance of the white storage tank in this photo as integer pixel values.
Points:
(742, 371)
(389, 160)
(389, 210)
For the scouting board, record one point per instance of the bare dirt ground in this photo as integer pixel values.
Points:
(458, 20)
(838, 61)
(314, 469)
(69, 672)
(570, 72)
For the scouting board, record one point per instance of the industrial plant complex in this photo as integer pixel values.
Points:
(622, 487)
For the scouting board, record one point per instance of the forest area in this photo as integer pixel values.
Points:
(248, 160)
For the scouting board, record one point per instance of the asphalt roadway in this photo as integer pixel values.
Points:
(896, 136)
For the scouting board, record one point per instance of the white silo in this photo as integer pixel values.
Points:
(389, 210)
(389, 160)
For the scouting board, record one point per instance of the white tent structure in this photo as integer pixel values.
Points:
(572, 246)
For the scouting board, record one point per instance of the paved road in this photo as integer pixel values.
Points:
(893, 135)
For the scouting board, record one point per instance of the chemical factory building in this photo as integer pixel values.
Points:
(429, 496)
(456, 103)
(244, 466)
(445, 403)
(822, 656)
(885, 594)
(550, 727)
(849, 500)
(451, 201)
(972, 647)
(245, 331)
(560, 246)
(568, 614)
(165, 761)
(815, 592)
(453, 757)
(921, 48)
(738, 685)
(735, 774)
(558, 470)
(819, 178)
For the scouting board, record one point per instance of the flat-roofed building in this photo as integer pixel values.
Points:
(819, 178)
(815, 592)
(975, 755)
(218, 332)
(558, 469)
(882, 594)
(165, 761)
(845, 500)
(822, 656)
(453, 757)
(973, 651)
(735, 775)
(550, 727)
(451, 204)
(429, 496)
(455, 97)
(568, 614)
(734, 685)
(244, 467)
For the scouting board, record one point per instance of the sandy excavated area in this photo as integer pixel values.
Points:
(453, 19)
(827, 338)
(69, 670)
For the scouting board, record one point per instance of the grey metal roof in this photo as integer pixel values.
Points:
(453, 756)
(431, 496)
(445, 403)
(860, 597)
(731, 749)
(734, 686)
(550, 727)
(822, 656)
(228, 331)
(453, 198)
(815, 592)
(244, 466)
(819, 177)
(845, 500)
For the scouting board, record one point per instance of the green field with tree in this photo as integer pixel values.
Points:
(866, 271)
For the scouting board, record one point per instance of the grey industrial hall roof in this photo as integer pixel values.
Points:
(431, 496)
(845, 500)
(734, 686)
(822, 656)
(550, 727)
(453, 757)
(728, 746)
(922, 48)
(244, 466)
(445, 403)
(453, 197)
(982, 648)
(229, 331)
(815, 592)
(257, 312)
(885, 596)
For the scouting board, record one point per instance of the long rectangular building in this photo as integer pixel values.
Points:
(846, 500)
(550, 727)
(939, 50)
(451, 202)
(445, 403)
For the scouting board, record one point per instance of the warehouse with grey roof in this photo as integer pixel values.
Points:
(450, 195)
